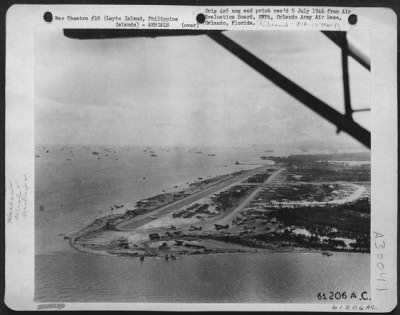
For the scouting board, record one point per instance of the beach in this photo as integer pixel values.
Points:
(75, 188)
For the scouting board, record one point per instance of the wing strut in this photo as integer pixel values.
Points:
(340, 39)
(342, 122)
(351, 50)
(346, 83)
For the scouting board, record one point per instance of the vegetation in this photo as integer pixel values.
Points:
(347, 217)
(302, 192)
(193, 210)
(359, 173)
(306, 158)
(287, 239)
(344, 227)
(259, 178)
(228, 199)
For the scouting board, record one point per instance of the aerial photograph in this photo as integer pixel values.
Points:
(168, 170)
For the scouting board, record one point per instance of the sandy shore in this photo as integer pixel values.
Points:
(153, 227)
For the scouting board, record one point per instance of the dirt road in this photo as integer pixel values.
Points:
(146, 218)
(227, 219)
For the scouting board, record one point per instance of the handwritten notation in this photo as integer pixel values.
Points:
(17, 199)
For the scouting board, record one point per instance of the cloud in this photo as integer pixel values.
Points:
(185, 90)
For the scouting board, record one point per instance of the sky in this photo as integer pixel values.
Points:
(189, 90)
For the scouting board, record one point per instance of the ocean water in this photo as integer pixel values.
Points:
(261, 278)
(73, 187)
(71, 193)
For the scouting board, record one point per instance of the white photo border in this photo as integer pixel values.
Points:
(22, 21)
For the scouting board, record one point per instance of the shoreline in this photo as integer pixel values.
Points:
(74, 243)
(251, 251)
(123, 234)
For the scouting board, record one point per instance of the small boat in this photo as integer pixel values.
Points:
(327, 254)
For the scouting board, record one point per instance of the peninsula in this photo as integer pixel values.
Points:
(304, 202)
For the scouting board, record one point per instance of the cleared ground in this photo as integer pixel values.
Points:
(146, 218)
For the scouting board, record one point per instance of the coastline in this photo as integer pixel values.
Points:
(252, 251)
(268, 208)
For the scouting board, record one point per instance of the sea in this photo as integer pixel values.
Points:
(75, 184)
